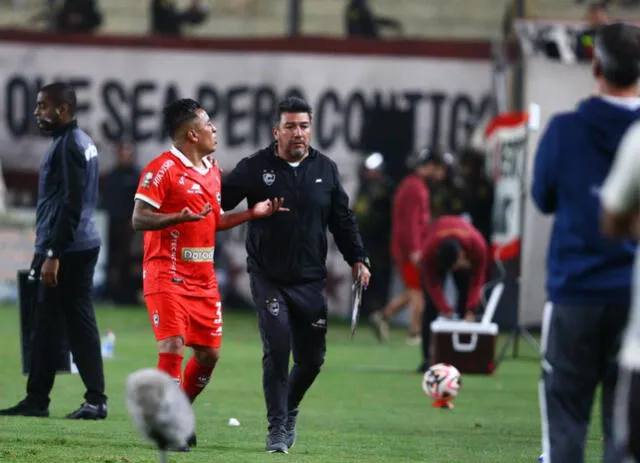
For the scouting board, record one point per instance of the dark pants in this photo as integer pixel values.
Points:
(461, 282)
(377, 294)
(290, 318)
(579, 351)
(71, 302)
(627, 416)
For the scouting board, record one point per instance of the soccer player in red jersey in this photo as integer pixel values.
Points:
(411, 215)
(177, 204)
(452, 247)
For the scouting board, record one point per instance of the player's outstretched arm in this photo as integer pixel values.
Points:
(145, 216)
(258, 211)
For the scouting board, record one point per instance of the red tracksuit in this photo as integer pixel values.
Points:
(411, 215)
(475, 249)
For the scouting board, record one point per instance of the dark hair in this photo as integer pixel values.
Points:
(426, 156)
(178, 113)
(617, 51)
(293, 105)
(597, 6)
(473, 158)
(448, 253)
(61, 93)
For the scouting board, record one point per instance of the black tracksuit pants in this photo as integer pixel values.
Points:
(70, 302)
(580, 345)
(291, 318)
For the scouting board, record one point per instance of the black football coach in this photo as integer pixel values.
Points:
(287, 258)
(66, 252)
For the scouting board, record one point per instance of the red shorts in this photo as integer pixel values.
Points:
(197, 319)
(411, 276)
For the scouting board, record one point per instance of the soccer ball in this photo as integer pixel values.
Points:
(441, 382)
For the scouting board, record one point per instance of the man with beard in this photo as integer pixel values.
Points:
(287, 259)
(66, 252)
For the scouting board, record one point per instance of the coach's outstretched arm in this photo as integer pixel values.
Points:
(145, 216)
(258, 211)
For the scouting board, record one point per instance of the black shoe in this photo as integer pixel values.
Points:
(290, 427)
(89, 411)
(24, 409)
(277, 440)
(423, 368)
(192, 442)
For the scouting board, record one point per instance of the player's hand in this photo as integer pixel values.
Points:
(187, 215)
(469, 316)
(365, 274)
(49, 272)
(268, 207)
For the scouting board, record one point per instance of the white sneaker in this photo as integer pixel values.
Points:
(414, 340)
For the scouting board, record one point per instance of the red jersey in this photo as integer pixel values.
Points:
(411, 214)
(475, 249)
(179, 259)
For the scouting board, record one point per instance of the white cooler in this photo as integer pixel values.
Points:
(469, 346)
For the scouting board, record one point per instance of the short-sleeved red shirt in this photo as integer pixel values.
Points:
(179, 259)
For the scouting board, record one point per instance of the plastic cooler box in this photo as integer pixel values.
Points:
(469, 346)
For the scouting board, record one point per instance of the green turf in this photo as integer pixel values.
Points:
(367, 405)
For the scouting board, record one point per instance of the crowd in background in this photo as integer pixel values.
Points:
(166, 18)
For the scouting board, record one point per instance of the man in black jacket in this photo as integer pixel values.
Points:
(287, 259)
(66, 252)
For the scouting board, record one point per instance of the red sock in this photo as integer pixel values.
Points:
(196, 377)
(171, 364)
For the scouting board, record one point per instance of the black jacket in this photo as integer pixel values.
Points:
(67, 194)
(291, 247)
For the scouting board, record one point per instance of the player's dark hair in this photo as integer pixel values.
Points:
(425, 156)
(617, 51)
(61, 93)
(291, 105)
(448, 253)
(178, 113)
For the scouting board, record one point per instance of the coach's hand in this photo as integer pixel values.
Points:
(268, 207)
(186, 215)
(49, 272)
(365, 274)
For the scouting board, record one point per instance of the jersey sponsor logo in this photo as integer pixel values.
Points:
(91, 152)
(146, 180)
(273, 306)
(268, 177)
(195, 189)
(163, 170)
(197, 254)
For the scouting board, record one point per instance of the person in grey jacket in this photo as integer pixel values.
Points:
(66, 252)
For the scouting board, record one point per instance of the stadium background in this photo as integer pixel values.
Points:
(455, 76)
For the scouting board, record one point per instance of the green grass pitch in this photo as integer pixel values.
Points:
(366, 406)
